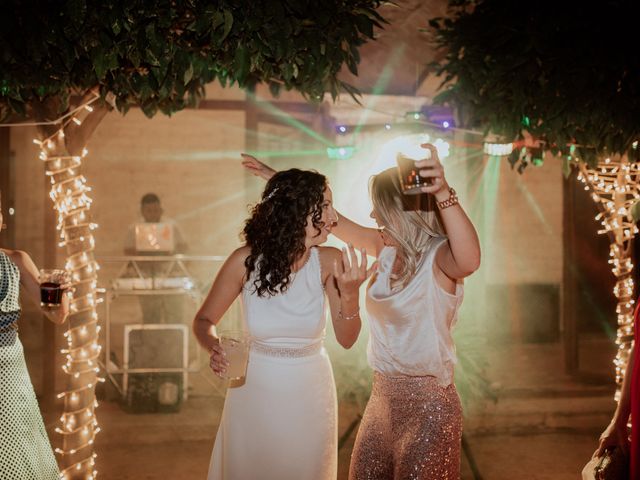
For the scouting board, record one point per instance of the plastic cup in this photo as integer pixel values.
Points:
(236, 347)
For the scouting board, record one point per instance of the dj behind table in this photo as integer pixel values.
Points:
(151, 373)
(156, 236)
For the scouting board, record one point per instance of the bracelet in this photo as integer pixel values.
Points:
(348, 317)
(449, 202)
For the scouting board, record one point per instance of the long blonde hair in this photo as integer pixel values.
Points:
(410, 220)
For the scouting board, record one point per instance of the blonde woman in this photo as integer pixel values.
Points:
(425, 245)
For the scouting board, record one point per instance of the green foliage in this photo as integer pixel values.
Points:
(159, 54)
(568, 71)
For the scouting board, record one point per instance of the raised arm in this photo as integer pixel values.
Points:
(226, 287)
(343, 276)
(346, 229)
(461, 256)
(358, 235)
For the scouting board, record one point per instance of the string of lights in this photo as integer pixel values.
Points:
(614, 186)
(72, 203)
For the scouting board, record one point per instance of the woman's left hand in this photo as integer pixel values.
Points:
(431, 168)
(350, 274)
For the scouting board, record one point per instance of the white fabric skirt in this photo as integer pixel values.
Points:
(281, 424)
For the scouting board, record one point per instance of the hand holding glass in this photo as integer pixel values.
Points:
(236, 347)
(51, 287)
(410, 179)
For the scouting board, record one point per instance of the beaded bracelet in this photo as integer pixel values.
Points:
(449, 202)
(348, 317)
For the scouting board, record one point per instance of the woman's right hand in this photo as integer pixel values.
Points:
(256, 167)
(217, 358)
(615, 435)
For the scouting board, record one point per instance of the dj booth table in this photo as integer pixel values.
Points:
(154, 275)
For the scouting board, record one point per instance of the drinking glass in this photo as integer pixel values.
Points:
(51, 281)
(236, 346)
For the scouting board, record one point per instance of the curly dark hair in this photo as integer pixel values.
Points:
(275, 232)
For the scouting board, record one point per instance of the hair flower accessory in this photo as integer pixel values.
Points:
(271, 194)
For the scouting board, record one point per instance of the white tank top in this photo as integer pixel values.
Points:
(410, 329)
(293, 318)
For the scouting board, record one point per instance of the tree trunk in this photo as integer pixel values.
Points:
(614, 183)
(63, 149)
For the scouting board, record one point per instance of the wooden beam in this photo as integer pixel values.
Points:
(266, 108)
(7, 236)
(569, 288)
(263, 117)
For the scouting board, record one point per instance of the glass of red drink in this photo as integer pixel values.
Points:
(51, 282)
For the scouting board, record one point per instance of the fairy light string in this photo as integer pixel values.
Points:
(614, 187)
(72, 203)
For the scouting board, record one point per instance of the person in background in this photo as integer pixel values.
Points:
(156, 308)
(25, 451)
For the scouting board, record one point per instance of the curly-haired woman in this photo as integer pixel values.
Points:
(281, 423)
(425, 245)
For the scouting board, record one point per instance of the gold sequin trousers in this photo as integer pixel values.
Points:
(411, 429)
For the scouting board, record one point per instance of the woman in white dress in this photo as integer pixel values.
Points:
(281, 424)
(425, 246)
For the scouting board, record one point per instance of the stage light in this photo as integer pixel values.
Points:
(442, 146)
(537, 156)
(340, 153)
(341, 129)
(498, 149)
(440, 115)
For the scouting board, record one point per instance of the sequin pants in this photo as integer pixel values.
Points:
(411, 429)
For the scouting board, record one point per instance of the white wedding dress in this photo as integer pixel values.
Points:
(281, 424)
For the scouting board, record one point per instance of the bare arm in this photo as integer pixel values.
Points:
(226, 287)
(346, 230)
(616, 432)
(461, 256)
(361, 237)
(342, 281)
(30, 280)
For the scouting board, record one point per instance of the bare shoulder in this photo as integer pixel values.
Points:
(329, 254)
(236, 261)
(240, 254)
(19, 257)
(232, 273)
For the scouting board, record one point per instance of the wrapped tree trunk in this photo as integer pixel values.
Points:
(62, 149)
(614, 186)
